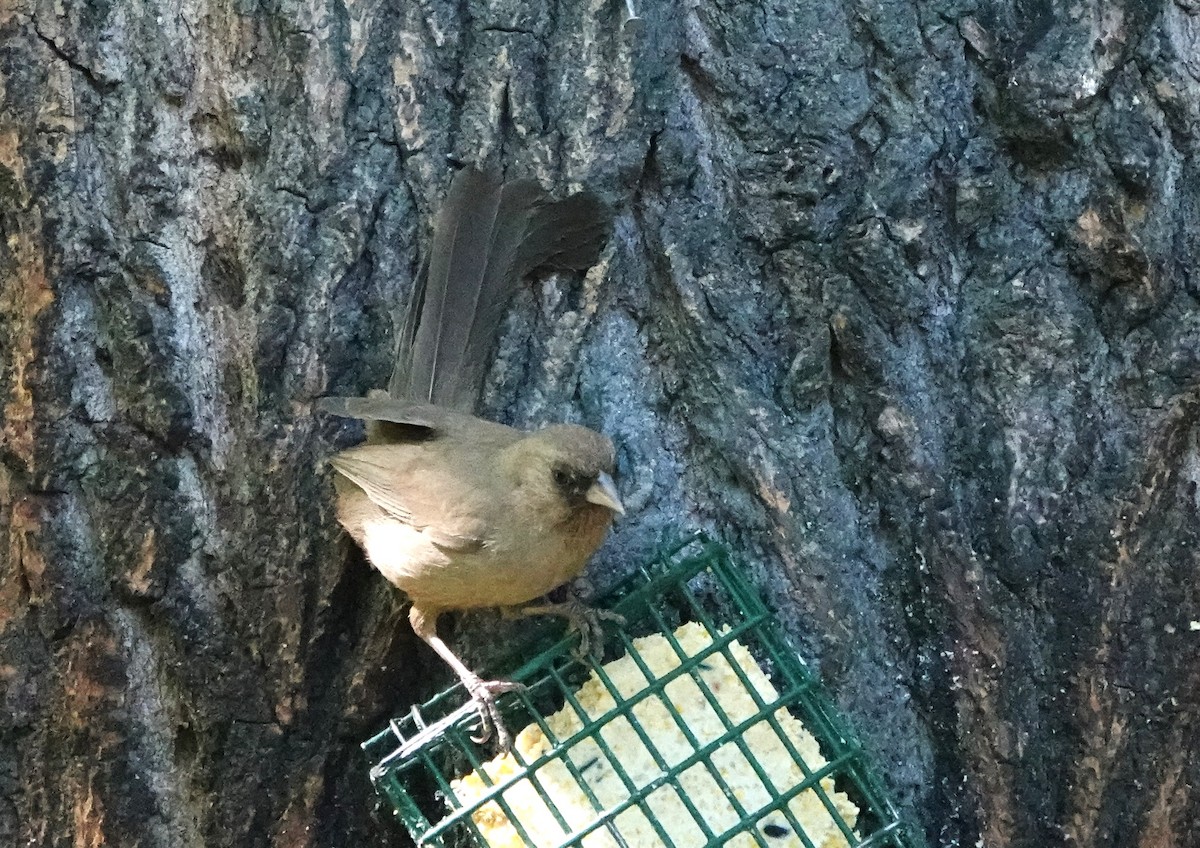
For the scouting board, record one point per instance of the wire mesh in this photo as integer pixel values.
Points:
(632, 767)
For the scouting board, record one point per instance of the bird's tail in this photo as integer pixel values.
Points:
(487, 237)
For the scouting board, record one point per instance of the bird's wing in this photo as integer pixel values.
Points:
(380, 407)
(424, 494)
(398, 421)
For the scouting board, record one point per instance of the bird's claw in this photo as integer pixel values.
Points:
(582, 619)
(483, 693)
(588, 622)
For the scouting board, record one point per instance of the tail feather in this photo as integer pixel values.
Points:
(455, 283)
(487, 237)
(401, 384)
(565, 235)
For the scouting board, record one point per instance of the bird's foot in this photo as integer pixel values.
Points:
(587, 621)
(484, 693)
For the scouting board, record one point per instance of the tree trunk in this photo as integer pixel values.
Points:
(901, 304)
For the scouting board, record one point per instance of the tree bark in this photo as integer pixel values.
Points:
(901, 304)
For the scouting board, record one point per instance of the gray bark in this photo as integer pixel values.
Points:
(901, 304)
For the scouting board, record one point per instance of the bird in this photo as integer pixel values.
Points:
(457, 511)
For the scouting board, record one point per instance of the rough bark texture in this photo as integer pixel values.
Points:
(901, 304)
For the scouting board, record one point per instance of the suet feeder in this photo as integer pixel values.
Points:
(708, 730)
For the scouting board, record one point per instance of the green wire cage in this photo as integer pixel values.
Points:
(708, 731)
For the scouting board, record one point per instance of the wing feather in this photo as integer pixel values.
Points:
(410, 491)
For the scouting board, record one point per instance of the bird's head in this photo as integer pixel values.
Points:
(567, 466)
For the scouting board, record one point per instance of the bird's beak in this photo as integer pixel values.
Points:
(604, 493)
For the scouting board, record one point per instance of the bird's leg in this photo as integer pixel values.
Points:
(483, 692)
(582, 619)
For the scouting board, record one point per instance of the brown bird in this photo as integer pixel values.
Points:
(456, 511)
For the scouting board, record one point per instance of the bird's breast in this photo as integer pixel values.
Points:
(523, 565)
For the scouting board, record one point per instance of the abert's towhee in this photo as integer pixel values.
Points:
(457, 511)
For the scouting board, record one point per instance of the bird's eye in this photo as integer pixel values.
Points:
(561, 478)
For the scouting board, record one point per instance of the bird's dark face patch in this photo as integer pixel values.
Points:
(560, 467)
(572, 483)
